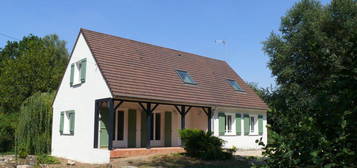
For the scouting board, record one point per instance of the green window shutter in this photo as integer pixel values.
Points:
(61, 122)
(238, 124)
(221, 123)
(83, 70)
(72, 121)
(260, 124)
(168, 128)
(246, 124)
(72, 75)
(131, 128)
(143, 129)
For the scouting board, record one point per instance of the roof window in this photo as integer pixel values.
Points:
(185, 77)
(235, 85)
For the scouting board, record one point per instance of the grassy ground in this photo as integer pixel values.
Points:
(176, 160)
(180, 160)
(170, 161)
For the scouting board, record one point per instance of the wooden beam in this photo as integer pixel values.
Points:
(209, 118)
(118, 105)
(148, 124)
(96, 123)
(110, 123)
(156, 105)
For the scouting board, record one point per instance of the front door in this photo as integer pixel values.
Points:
(131, 128)
(103, 122)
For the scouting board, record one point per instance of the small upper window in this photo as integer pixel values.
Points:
(235, 85)
(185, 77)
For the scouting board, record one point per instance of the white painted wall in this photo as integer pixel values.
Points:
(242, 141)
(161, 109)
(80, 98)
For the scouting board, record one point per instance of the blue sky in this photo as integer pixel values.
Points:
(187, 25)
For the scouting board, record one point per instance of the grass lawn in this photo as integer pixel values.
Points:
(177, 160)
(180, 160)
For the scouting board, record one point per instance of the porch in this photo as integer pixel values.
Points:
(130, 127)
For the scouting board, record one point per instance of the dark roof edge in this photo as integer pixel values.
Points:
(69, 59)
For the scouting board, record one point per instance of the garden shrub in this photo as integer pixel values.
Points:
(203, 145)
(46, 159)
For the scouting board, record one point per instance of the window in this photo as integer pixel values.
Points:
(78, 72)
(67, 122)
(185, 77)
(155, 126)
(229, 123)
(235, 85)
(253, 123)
(120, 125)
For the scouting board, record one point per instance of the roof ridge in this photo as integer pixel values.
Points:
(206, 57)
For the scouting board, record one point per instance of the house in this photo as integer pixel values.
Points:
(119, 94)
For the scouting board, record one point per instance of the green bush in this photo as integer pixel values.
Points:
(46, 159)
(22, 153)
(203, 145)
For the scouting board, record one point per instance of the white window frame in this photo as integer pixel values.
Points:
(77, 73)
(154, 126)
(253, 127)
(66, 123)
(233, 122)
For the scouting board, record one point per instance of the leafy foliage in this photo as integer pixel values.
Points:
(7, 129)
(314, 107)
(30, 65)
(46, 159)
(33, 131)
(200, 144)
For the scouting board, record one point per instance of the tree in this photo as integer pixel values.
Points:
(314, 60)
(33, 131)
(30, 65)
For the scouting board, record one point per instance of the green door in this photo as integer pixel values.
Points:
(168, 128)
(103, 122)
(131, 128)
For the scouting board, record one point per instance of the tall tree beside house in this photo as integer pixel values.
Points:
(33, 131)
(30, 65)
(314, 60)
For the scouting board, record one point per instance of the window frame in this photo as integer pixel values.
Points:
(193, 82)
(232, 124)
(253, 125)
(155, 132)
(235, 85)
(77, 73)
(67, 123)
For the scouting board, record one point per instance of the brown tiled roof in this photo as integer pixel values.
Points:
(140, 70)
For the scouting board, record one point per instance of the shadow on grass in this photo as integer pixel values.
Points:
(181, 160)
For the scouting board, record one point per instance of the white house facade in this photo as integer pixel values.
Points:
(118, 94)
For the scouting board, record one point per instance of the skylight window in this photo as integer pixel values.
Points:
(235, 85)
(185, 77)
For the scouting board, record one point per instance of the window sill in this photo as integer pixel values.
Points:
(67, 134)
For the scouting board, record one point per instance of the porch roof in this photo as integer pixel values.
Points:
(140, 70)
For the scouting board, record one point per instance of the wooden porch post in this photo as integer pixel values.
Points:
(183, 114)
(148, 124)
(209, 116)
(96, 123)
(110, 123)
